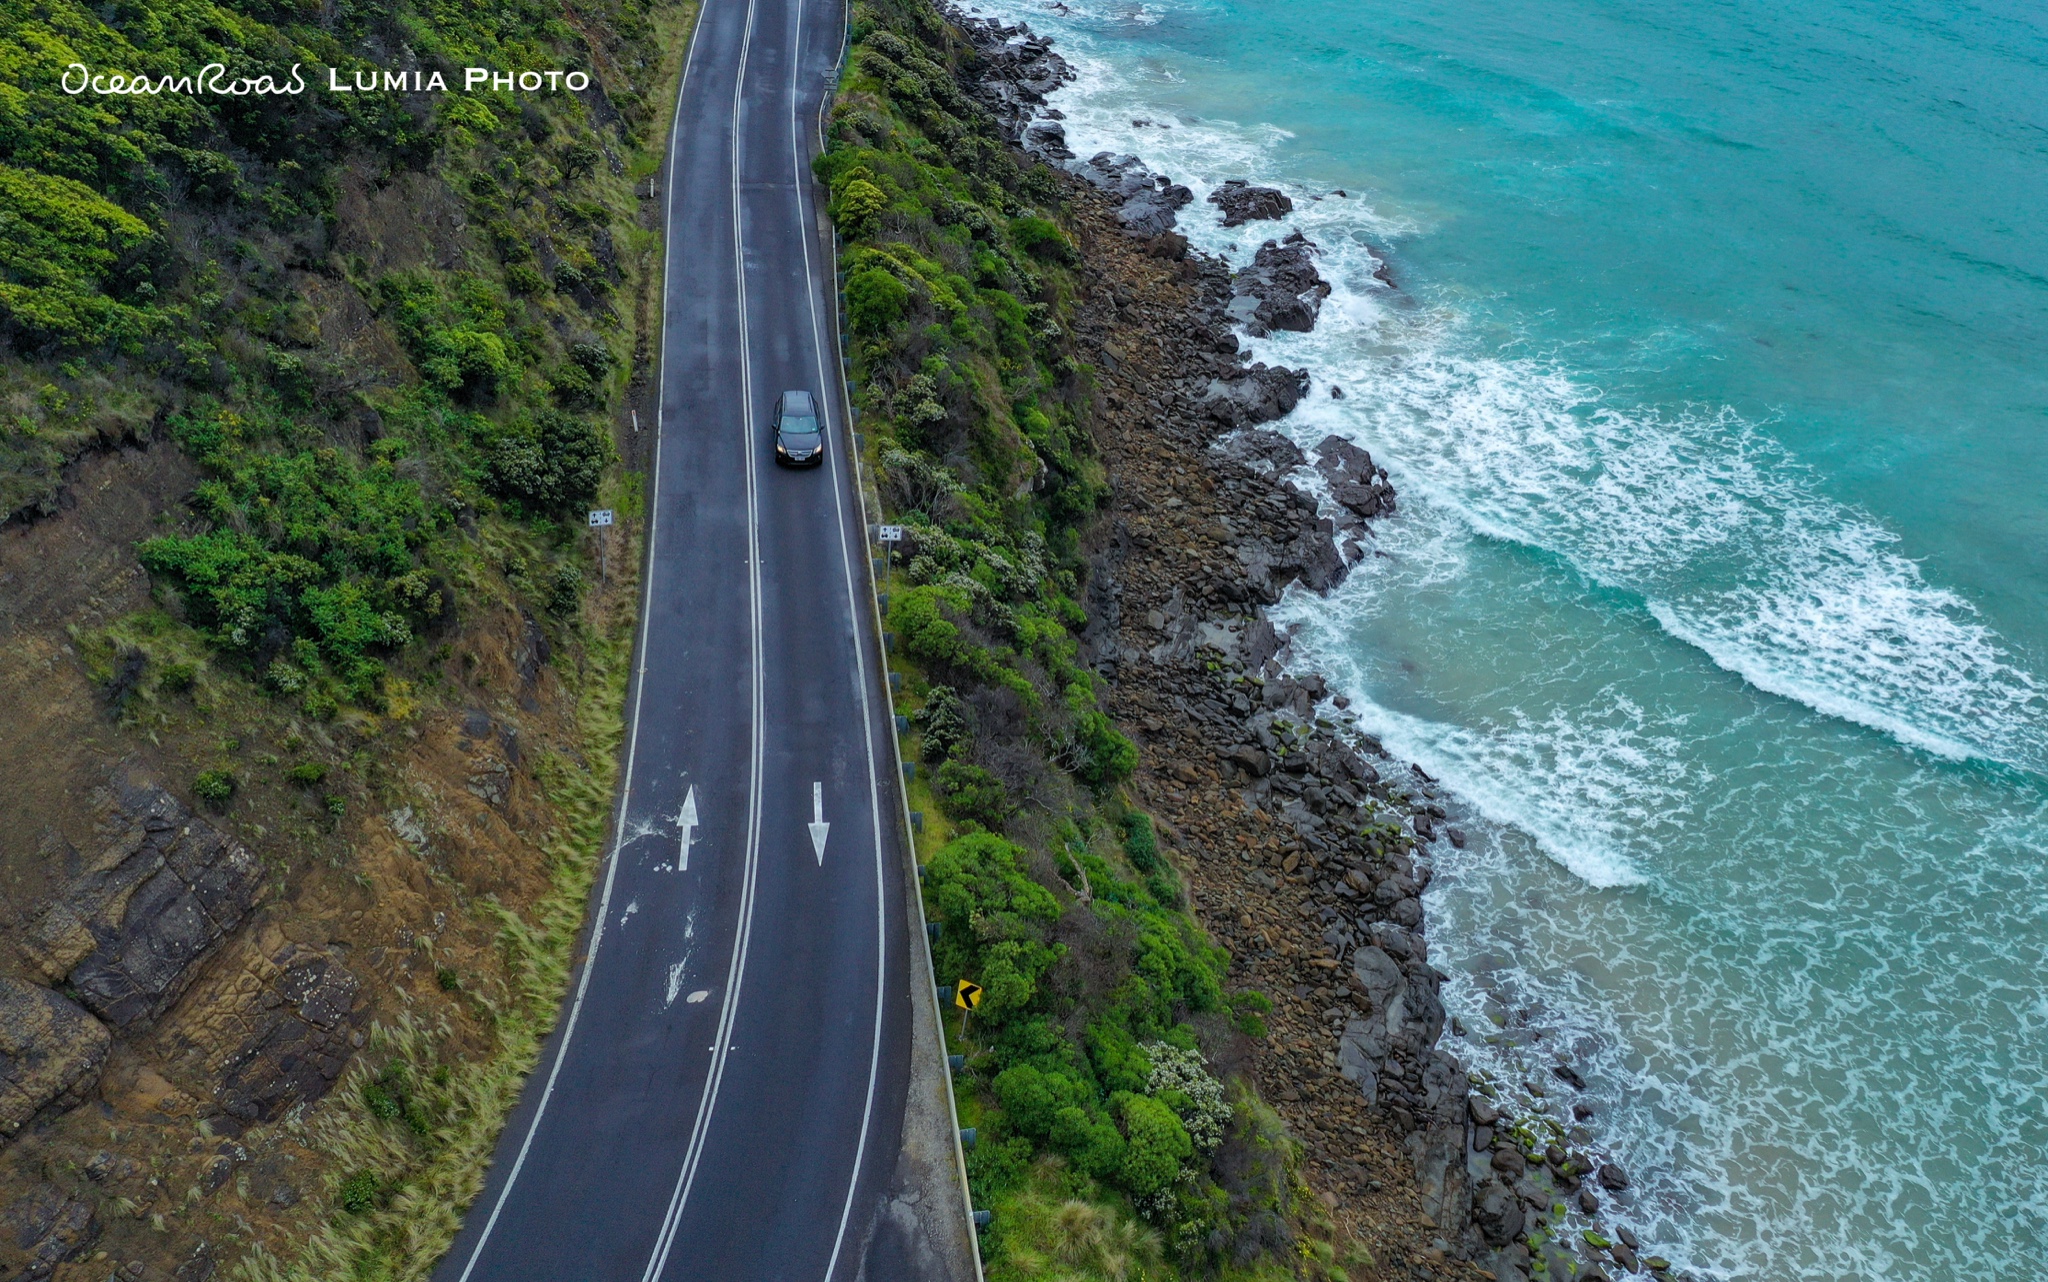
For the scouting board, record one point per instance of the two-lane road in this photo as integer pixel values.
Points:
(724, 1096)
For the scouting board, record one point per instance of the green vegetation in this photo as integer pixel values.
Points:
(390, 333)
(180, 259)
(1107, 1148)
(214, 787)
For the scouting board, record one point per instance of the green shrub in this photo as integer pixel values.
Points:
(1041, 238)
(971, 794)
(946, 723)
(307, 773)
(551, 465)
(1140, 846)
(359, 1193)
(63, 243)
(1090, 1141)
(1157, 1144)
(565, 591)
(875, 300)
(857, 208)
(1033, 1099)
(214, 787)
(1107, 756)
(177, 678)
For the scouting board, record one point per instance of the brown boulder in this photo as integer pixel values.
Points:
(51, 1053)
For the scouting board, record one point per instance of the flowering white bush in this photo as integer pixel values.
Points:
(1174, 1069)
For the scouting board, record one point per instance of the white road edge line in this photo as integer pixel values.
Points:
(729, 1007)
(639, 689)
(867, 720)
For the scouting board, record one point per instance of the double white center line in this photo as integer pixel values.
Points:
(728, 1011)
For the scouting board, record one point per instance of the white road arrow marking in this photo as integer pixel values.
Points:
(818, 825)
(688, 821)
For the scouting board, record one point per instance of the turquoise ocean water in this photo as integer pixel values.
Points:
(1716, 397)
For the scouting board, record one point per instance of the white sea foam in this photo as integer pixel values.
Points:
(1729, 541)
(1813, 1066)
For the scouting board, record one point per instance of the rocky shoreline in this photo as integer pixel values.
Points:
(1306, 847)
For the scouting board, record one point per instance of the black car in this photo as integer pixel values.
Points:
(798, 440)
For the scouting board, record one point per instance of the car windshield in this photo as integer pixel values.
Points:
(794, 426)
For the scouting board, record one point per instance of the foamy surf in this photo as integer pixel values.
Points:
(1725, 536)
(1663, 668)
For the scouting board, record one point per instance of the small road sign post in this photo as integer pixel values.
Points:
(967, 996)
(601, 520)
(888, 536)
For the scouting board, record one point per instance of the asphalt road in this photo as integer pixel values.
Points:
(724, 1095)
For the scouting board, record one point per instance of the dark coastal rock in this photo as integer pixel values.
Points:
(1267, 453)
(43, 1229)
(163, 892)
(1013, 72)
(1498, 1213)
(1149, 200)
(1269, 566)
(1280, 290)
(1047, 138)
(295, 1038)
(1258, 394)
(1509, 1162)
(1242, 203)
(1438, 1147)
(51, 1053)
(1355, 483)
(1613, 1178)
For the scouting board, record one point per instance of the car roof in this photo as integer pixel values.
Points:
(798, 404)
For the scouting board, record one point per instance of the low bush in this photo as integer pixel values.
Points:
(214, 787)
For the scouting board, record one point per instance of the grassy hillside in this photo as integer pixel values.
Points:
(1107, 1145)
(347, 368)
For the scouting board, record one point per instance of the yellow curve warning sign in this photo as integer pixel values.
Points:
(967, 994)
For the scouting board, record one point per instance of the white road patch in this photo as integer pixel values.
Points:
(698, 996)
(675, 983)
(631, 908)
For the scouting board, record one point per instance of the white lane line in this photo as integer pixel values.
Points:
(840, 471)
(611, 871)
(742, 934)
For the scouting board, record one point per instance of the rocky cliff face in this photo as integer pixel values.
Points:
(51, 1052)
(155, 899)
